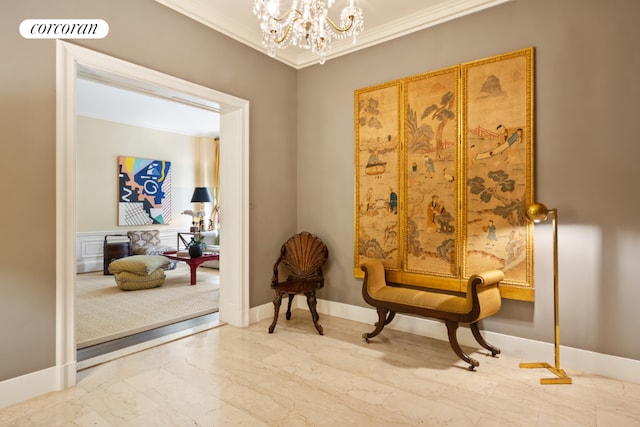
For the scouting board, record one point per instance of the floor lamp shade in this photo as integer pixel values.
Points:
(201, 195)
(537, 212)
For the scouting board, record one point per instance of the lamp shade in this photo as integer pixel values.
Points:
(201, 195)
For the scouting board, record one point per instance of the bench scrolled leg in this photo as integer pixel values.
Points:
(383, 320)
(476, 334)
(452, 327)
(390, 317)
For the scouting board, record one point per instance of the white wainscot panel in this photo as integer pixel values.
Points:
(90, 245)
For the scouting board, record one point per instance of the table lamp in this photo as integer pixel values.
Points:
(201, 195)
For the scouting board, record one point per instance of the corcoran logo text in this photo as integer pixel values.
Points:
(64, 29)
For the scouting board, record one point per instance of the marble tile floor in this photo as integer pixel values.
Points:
(294, 377)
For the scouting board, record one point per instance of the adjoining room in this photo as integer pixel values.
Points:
(121, 123)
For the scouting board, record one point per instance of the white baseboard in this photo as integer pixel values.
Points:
(31, 385)
(522, 349)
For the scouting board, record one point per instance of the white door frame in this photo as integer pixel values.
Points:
(234, 185)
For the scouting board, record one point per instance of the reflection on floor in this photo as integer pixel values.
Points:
(232, 376)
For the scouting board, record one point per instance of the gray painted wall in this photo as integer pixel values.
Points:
(149, 34)
(302, 158)
(587, 132)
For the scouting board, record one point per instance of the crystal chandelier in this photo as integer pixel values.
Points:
(306, 24)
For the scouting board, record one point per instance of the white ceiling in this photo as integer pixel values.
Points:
(107, 102)
(384, 20)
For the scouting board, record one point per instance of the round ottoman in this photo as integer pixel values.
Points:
(139, 271)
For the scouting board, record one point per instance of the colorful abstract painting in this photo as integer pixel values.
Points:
(144, 191)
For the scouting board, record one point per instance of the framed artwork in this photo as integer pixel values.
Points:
(144, 191)
(497, 117)
(377, 166)
(431, 165)
(444, 172)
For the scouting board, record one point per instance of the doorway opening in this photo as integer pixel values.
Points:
(234, 172)
(115, 118)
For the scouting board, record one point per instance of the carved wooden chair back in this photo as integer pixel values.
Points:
(304, 256)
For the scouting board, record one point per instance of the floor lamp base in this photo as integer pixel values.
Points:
(563, 378)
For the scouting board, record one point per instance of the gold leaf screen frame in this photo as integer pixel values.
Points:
(462, 164)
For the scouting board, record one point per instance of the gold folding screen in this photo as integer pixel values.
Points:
(444, 172)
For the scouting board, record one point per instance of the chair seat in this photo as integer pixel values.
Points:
(298, 285)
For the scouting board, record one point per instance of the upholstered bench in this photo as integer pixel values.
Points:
(139, 271)
(481, 300)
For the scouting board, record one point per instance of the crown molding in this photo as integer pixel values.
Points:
(237, 24)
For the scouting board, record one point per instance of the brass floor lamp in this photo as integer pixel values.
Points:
(537, 212)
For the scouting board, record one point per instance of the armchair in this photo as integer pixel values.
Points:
(147, 242)
(304, 255)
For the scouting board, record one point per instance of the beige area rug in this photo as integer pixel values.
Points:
(105, 312)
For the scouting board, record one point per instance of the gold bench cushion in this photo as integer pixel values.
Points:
(488, 296)
(488, 293)
(424, 299)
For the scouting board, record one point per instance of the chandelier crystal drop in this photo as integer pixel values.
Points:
(306, 24)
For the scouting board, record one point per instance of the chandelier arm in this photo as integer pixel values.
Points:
(286, 33)
(341, 30)
(286, 15)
